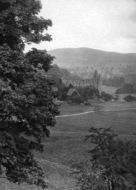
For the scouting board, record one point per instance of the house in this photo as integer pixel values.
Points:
(73, 96)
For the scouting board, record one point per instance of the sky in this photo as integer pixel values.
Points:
(108, 25)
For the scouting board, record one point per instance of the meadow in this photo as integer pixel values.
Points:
(66, 144)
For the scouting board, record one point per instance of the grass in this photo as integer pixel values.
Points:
(73, 108)
(66, 144)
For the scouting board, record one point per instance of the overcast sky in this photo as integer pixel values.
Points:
(101, 24)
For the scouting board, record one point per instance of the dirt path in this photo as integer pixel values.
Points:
(93, 111)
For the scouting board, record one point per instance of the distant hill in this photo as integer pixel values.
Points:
(84, 60)
(69, 57)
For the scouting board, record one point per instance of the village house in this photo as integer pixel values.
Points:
(73, 96)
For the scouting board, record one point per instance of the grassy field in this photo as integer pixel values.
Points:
(72, 108)
(66, 144)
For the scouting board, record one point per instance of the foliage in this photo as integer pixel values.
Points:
(26, 99)
(20, 23)
(112, 165)
(88, 92)
(105, 96)
(130, 98)
(62, 91)
(39, 58)
(96, 79)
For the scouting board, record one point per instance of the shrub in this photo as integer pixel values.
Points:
(129, 98)
(112, 163)
(105, 96)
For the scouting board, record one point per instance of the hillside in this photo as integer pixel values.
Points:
(83, 61)
(69, 57)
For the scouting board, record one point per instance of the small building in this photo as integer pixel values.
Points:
(73, 96)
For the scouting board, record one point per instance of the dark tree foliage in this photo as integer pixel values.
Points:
(88, 92)
(112, 164)
(129, 98)
(26, 98)
(106, 96)
(19, 23)
(39, 58)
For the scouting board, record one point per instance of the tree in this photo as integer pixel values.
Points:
(26, 98)
(96, 79)
(112, 165)
(129, 98)
(106, 97)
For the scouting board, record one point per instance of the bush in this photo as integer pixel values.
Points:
(130, 98)
(88, 92)
(112, 164)
(107, 97)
